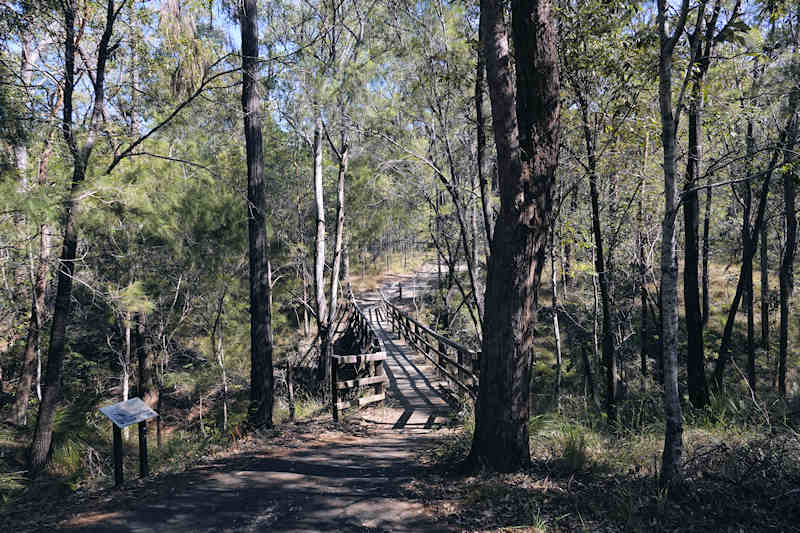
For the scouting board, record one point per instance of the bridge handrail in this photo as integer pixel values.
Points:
(366, 320)
(374, 357)
(429, 331)
(464, 377)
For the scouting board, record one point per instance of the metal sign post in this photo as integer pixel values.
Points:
(122, 415)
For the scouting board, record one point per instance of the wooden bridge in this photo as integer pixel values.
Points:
(422, 369)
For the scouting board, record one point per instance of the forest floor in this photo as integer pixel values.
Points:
(396, 468)
(360, 475)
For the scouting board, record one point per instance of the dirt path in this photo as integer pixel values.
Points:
(357, 477)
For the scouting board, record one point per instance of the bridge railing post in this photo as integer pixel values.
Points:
(439, 358)
(334, 390)
(380, 387)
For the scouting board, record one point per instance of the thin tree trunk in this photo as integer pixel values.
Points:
(32, 348)
(218, 349)
(764, 269)
(319, 258)
(480, 121)
(146, 388)
(609, 358)
(706, 236)
(259, 411)
(305, 300)
(573, 207)
(40, 446)
(790, 218)
(643, 330)
(695, 355)
(673, 435)
(588, 375)
(748, 251)
(338, 242)
(724, 349)
(31, 357)
(290, 386)
(556, 330)
(125, 363)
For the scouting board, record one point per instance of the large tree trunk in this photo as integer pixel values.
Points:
(673, 435)
(259, 412)
(527, 141)
(42, 438)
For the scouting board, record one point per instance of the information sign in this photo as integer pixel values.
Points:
(124, 414)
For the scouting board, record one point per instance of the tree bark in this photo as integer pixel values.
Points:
(695, 355)
(790, 218)
(146, 387)
(259, 412)
(673, 435)
(338, 242)
(527, 141)
(706, 237)
(319, 258)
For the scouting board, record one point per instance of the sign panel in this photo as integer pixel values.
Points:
(124, 414)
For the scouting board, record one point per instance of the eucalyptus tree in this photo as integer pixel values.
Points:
(702, 40)
(525, 119)
(261, 378)
(789, 171)
(428, 124)
(81, 155)
(605, 91)
(669, 36)
(322, 91)
(40, 101)
(770, 150)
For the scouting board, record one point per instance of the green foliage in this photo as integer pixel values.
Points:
(575, 453)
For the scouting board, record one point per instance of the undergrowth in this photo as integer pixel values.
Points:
(741, 470)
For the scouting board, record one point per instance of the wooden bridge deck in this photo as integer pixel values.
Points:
(316, 477)
(415, 398)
